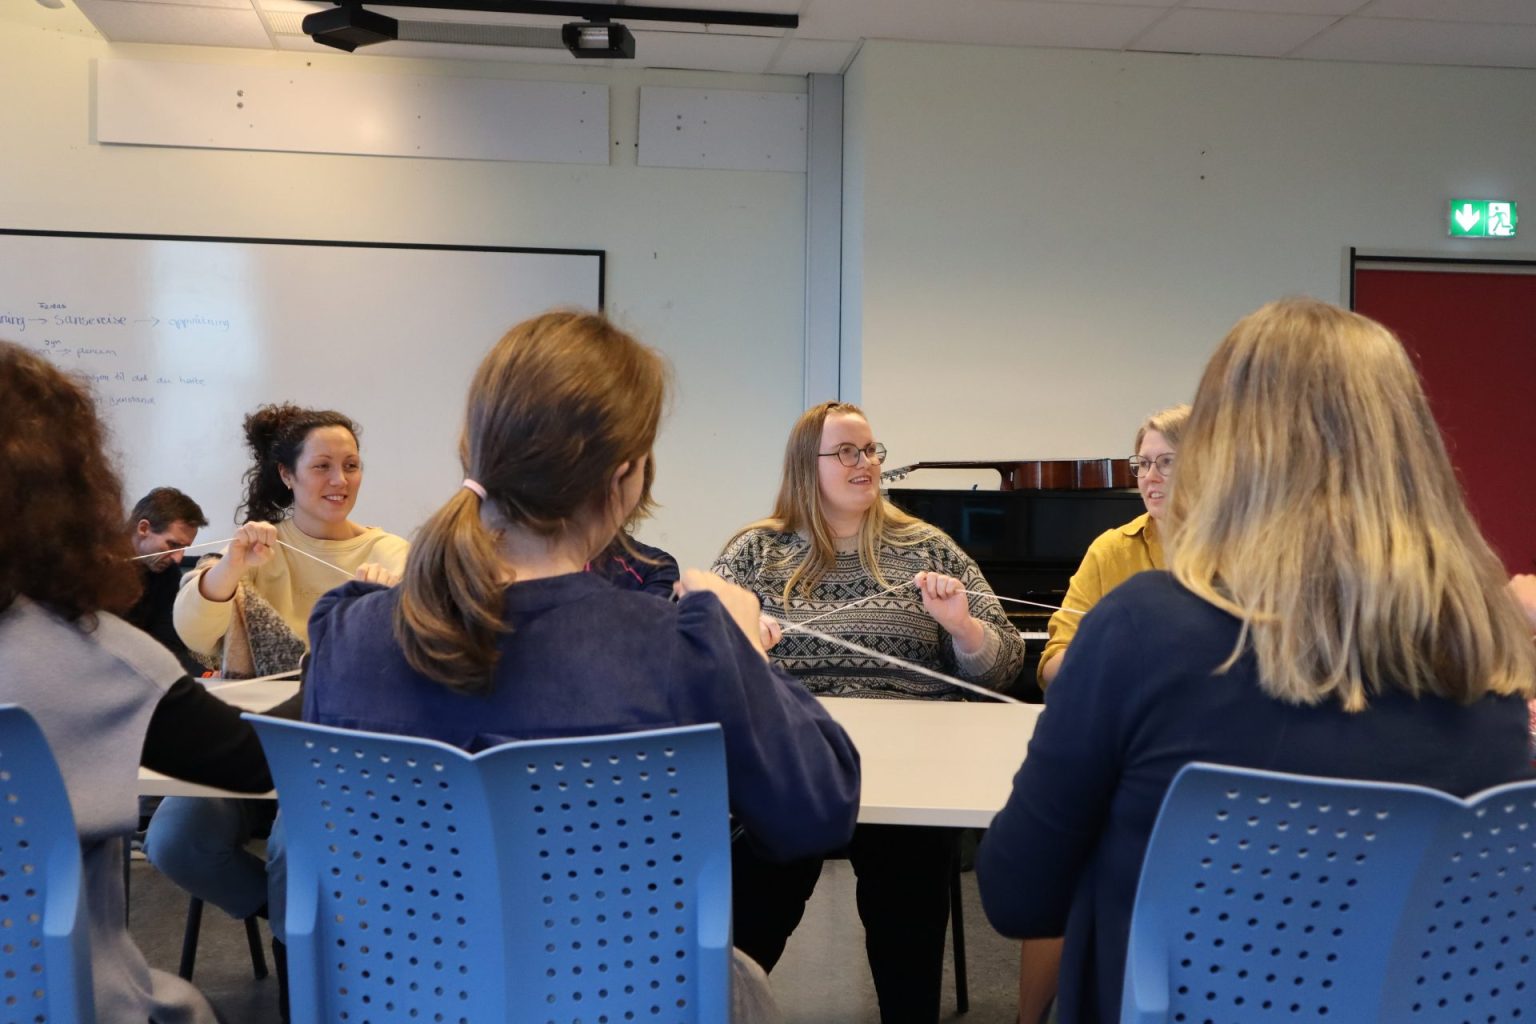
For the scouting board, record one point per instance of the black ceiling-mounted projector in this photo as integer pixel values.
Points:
(348, 27)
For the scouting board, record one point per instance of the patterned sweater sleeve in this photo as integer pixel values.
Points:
(999, 660)
(741, 559)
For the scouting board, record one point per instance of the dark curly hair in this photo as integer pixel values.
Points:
(276, 435)
(63, 544)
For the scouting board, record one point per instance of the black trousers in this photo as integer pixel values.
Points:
(903, 898)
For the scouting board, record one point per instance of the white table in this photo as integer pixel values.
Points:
(924, 762)
(935, 762)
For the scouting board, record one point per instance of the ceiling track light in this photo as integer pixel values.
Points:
(606, 40)
(350, 25)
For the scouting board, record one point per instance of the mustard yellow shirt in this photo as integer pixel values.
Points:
(290, 582)
(1114, 557)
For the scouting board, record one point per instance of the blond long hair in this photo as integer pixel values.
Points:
(557, 406)
(1316, 502)
(798, 508)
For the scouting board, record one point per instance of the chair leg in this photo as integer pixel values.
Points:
(253, 939)
(957, 928)
(189, 938)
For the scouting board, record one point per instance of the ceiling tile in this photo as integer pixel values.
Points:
(1509, 12)
(436, 51)
(1337, 8)
(1426, 42)
(813, 56)
(124, 22)
(994, 22)
(703, 52)
(1232, 32)
(237, 5)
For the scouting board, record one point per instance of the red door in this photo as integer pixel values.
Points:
(1472, 331)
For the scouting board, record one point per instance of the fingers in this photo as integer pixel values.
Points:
(254, 543)
(372, 572)
(769, 632)
(691, 581)
(935, 586)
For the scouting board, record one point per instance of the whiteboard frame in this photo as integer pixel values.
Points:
(601, 254)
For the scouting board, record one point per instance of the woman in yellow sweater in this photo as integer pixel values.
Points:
(1118, 554)
(297, 532)
(251, 608)
(1114, 557)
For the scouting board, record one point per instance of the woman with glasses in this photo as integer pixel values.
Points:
(1331, 610)
(838, 557)
(1114, 557)
(1117, 555)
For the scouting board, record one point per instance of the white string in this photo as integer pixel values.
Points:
(975, 593)
(796, 627)
(345, 572)
(1032, 604)
(228, 540)
(855, 604)
(189, 547)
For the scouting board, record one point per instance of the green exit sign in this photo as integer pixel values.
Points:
(1483, 218)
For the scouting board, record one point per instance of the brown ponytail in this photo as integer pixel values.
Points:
(555, 408)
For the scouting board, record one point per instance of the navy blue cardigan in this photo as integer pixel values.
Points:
(1136, 700)
(586, 658)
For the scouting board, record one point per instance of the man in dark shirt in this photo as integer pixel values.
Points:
(163, 522)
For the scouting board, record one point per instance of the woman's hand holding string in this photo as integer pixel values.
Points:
(742, 605)
(944, 598)
(253, 545)
(373, 572)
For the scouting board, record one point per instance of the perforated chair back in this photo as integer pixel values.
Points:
(1273, 897)
(583, 879)
(45, 957)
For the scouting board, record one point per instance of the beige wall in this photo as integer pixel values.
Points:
(707, 265)
(1046, 245)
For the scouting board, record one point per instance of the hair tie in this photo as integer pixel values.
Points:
(474, 485)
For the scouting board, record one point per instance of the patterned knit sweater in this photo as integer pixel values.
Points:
(896, 624)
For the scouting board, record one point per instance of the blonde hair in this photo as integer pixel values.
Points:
(1169, 422)
(798, 508)
(556, 407)
(1316, 502)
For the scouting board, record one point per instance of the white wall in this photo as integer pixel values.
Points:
(707, 265)
(1048, 244)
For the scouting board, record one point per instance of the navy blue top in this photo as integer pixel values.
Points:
(1136, 700)
(652, 572)
(585, 658)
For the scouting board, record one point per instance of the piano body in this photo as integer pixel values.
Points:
(1030, 534)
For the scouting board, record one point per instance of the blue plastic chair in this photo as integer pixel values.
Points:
(1272, 897)
(583, 879)
(45, 954)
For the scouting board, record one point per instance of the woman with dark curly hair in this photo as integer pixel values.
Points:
(251, 606)
(105, 694)
(296, 532)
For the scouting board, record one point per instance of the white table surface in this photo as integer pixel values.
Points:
(935, 762)
(924, 762)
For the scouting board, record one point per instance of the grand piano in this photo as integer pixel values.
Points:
(1030, 534)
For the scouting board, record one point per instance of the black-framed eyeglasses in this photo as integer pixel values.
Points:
(848, 453)
(1163, 462)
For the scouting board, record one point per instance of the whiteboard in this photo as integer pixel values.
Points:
(182, 336)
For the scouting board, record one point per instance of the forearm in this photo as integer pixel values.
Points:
(201, 623)
(197, 737)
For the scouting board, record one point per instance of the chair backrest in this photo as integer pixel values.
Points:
(45, 957)
(1269, 897)
(550, 880)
